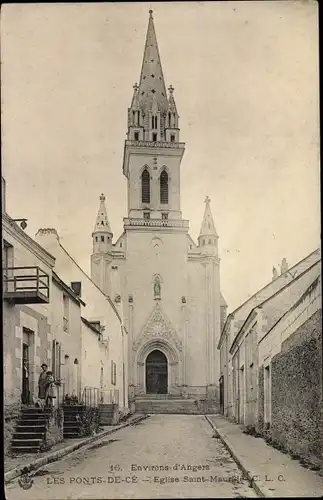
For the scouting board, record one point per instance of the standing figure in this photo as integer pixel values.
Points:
(49, 395)
(25, 383)
(42, 381)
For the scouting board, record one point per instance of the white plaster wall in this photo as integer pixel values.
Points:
(142, 264)
(98, 306)
(171, 160)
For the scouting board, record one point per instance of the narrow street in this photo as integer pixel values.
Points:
(164, 456)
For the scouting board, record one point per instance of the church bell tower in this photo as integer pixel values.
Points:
(152, 153)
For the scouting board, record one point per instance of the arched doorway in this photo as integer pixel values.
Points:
(156, 373)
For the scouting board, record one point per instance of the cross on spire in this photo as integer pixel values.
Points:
(207, 200)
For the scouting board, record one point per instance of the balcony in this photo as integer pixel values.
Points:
(156, 223)
(156, 144)
(26, 285)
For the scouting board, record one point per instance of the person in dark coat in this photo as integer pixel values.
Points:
(42, 382)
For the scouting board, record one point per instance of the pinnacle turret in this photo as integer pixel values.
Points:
(208, 236)
(102, 223)
(102, 234)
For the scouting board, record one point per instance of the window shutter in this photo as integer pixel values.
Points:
(164, 187)
(145, 187)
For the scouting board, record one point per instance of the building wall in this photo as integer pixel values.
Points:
(190, 299)
(95, 361)
(25, 323)
(137, 163)
(236, 319)
(296, 380)
(293, 353)
(70, 341)
(99, 307)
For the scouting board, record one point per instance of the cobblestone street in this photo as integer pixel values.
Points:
(165, 456)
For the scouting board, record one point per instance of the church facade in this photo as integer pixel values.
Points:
(169, 284)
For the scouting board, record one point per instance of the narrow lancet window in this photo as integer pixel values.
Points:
(145, 187)
(164, 187)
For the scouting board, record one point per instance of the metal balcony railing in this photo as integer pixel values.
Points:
(156, 144)
(156, 222)
(26, 285)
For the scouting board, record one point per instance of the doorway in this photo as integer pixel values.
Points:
(25, 393)
(156, 373)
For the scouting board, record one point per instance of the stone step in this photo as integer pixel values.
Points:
(28, 435)
(73, 408)
(33, 416)
(25, 427)
(33, 409)
(25, 449)
(18, 443)
(72, 423)
(71, 435)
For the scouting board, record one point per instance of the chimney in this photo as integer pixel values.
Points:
(77, 287)
(284, 266)
(275, 274)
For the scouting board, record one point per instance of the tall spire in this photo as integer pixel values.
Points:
(102, 223)
(208, 226)
(151, 79)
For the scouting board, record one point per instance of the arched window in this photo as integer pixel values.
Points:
(164, 187)
(145, 186)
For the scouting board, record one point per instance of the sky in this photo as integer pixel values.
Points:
(246, 87)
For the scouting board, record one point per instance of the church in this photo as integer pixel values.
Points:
(169, 284)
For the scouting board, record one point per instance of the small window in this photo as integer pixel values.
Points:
(210, 242)
(121, 245)
(203, 242)
(154, 137)
(190, 247)
(102, 239)
(96, 239)
(172, 138)
(165, 216)
(136, 136)
(145, 187)
(163, 184)
(146, 215)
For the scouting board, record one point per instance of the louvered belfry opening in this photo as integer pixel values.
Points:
(164, 187)
(145, 187)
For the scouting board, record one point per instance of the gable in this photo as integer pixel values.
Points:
(158, 326)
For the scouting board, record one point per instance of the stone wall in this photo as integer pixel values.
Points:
(54, 429)
(11, 414)
(297, 392)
